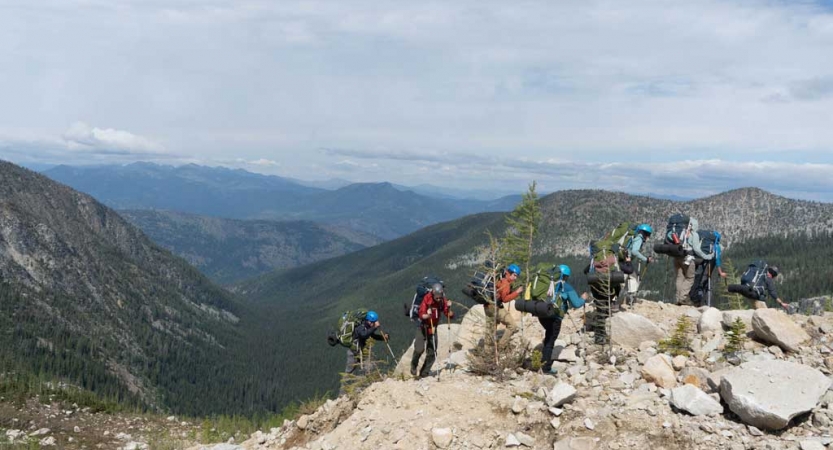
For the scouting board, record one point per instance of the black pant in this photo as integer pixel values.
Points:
(552, 327)
(424, 341)
(700, 288)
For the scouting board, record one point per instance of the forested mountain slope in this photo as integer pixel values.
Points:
(383, 277)
(229, 250)
(87, 298)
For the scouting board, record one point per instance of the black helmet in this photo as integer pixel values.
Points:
(437, 290)
(774, 271)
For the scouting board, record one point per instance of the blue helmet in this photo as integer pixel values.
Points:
(646, 228)
(371, 316)
(565, 270)
(514, 269)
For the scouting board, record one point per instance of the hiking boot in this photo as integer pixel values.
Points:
(413, 372)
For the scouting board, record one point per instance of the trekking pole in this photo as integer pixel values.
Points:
(387, 344)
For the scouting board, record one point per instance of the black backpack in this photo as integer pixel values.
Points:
(754, 277)
(675, 231)
(481, 288)
(708, 240)
(422, 288)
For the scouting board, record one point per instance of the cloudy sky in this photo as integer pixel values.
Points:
(671, 97)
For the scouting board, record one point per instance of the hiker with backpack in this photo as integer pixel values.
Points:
(642, 233)
(682, 236)
(432, 305)
(757, 282)
(606, 274)
(564, 297)
(505, 294)
(354, 329)
(704, 267)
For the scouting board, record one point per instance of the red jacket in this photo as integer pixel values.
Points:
(505, 292)
(428, 303)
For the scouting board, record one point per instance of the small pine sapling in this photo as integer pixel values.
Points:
(680, 341)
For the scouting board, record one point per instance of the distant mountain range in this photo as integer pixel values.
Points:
(229, 250)
(378, 209)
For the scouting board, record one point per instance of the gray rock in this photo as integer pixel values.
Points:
(525, 440)
(658, 369)
(811, 444)
(567, 355)
(519, 405)
(745, 315)
(512, 441)
(710, 320)
(576, 443)
(442, 437)
(697, 377)
(560, 394)
(694, 401)
(775, 327)
(768, 394)
(629, 330)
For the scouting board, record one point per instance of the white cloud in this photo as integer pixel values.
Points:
(81, 136)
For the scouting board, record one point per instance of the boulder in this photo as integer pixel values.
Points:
(560, 394)
(697, 377)
(576, 443)
(694, 401)
(774, 327)
(659, 370)
(710, 320)
(629, 330)
(442, 437)
(744, 314)
(445, 348)
(472, 328)
(768, 394)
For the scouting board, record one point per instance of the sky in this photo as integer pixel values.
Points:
(667, 97)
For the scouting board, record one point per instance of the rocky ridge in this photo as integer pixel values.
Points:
(770, 395)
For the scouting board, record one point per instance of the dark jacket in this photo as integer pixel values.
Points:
(364, 332)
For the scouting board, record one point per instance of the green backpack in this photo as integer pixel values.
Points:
(614, 244)
(545, 281)
(346, 324)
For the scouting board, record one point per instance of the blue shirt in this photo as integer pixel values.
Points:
(569, 294)
(636, 247)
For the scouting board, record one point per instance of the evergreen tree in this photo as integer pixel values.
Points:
(521, 230)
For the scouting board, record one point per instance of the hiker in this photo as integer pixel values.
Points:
(758, 282)
(552, 324)
(634, 251)
(685, 267)
(426, 340)
(368, 328)
(704, 267)
(505, 294)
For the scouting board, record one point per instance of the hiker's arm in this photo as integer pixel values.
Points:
(573, 298)
(365, 332)
(448, 312)
(770, 288)
(504, 291)
(694, 240)
(635, 246)
(423, 308)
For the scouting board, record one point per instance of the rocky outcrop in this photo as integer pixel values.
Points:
(694, 401)
(710, 320)
(775, 327)
(629, 330)
(659, 369)
(768, 394)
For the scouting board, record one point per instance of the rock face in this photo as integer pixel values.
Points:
(710, 320)
(745, 316)
(445, 349)
(768, 394)
(775, 327)
(694, 401)
(629, 330)
(660, 370)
